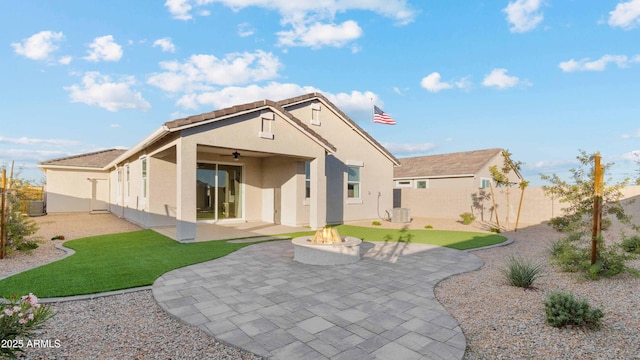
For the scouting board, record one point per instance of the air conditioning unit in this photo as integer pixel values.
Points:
(400, 215)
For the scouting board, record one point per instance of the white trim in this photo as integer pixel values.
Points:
(433, 177)
(397, 184)
(355, 163)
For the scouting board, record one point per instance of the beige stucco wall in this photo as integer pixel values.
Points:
(71, 191)
(536, 206)
(376, 174)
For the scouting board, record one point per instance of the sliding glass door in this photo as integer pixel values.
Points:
(219, 191)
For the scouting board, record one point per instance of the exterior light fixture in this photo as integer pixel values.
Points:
(236, 156)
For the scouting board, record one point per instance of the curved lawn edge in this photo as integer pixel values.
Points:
(112, 262)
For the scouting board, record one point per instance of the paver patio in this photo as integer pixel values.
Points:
(383, 307)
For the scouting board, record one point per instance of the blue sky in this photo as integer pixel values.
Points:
(542, 78)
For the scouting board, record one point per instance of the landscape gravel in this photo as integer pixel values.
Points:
(499, 321)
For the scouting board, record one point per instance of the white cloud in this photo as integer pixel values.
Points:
(99, 90)
(318, 35)
(30, 155)
(626, 15)
(630, 136)
(165, 44)
(354, 102)
(408, 149)
(41, 142)
(179, 9)
(633, 155)
(104, 48)
(500, 79)
(523, 15)
(312, 22)
(65, 60)
(596, 65)
(201, 72)
(39, 46)
(432, 83)
(245, 30)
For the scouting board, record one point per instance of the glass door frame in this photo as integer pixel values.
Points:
(216, 218)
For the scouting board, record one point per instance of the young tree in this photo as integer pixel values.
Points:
(578, 195)
(19, 227)
(502, 176)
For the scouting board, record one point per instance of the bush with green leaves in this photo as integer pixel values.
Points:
(428, 227)
(19, 321)
(562, 308)
(521, 272)
(376, 223)
(631, 244)
(20, 227)
(571, 257)
(467, 218)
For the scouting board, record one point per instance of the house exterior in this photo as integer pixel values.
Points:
(447, 185)
(299, 161)
(469, 169)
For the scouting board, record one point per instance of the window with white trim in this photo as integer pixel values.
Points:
(307, 179)
(144, 177)
(403, 183)
(485, 183)
(422, 184)
(353, 182)
(119, 185)
(127, 184)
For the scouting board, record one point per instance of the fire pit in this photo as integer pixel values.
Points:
(326, 247)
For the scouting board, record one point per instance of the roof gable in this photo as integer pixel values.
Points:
(318, 96)
(97, 160)
(453, 164)
(201, 119)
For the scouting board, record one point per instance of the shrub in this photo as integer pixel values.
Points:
(20, 319)
(631, 244)
(572, 258)
(467, 218)
(522, 273)
(495, 230)
(27, 245)
(428, 227)
(376, 223)
(563, 309)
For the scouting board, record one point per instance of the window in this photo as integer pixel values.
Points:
(353, 182)
(307, 179)
(127, 188)
(119, 186)
(144, 178)
(266, 131)
(422, 184)
(485, 183)
(315, 114)
(403, 183)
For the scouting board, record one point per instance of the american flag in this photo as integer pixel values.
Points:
(381, 117)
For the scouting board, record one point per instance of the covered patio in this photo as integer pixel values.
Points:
(241, 230)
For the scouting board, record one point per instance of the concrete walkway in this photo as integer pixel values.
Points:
(382, 307)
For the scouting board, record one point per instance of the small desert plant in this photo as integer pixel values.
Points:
(631, 244)
(522, 273)
(561, 309)
(428, 227)
(376, 223)
(27, 245)
(495, 230)
(467, 218)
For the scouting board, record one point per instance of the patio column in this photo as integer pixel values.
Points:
(318, 200)
(186, 162)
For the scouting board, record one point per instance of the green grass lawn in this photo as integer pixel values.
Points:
(461, 240)
(127, 260)
(113, 262)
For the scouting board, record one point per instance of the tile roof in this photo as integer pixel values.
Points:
(459, 163)
(97, 159)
